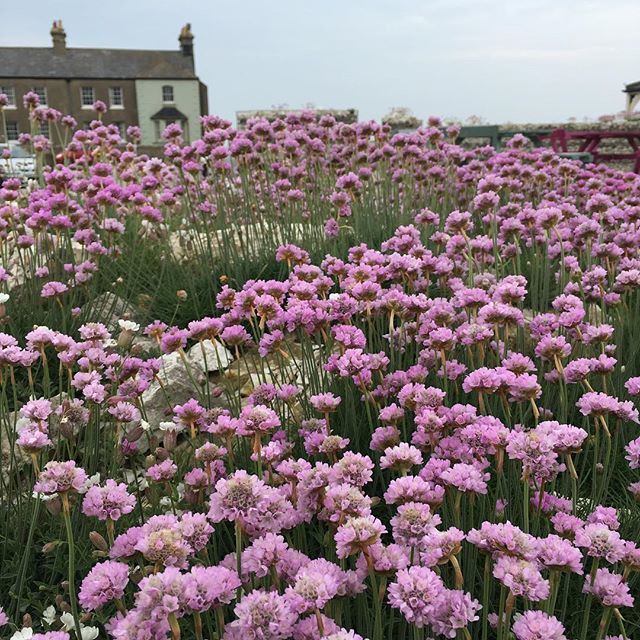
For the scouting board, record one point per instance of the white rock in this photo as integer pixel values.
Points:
(209, 356)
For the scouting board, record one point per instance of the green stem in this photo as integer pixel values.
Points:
(66, 510)
(239, 557)
(525, 504)
(587, 607)
(485, 596)
(377, 623)
(604, 623)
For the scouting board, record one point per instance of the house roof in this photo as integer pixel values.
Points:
(41, 62)
(632, 87)
(169, 113)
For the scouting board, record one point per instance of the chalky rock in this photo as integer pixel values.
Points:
(108, 308)
(180, 380)
(210, 356)
(12, 457)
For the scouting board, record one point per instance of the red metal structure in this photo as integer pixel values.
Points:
(589, 141)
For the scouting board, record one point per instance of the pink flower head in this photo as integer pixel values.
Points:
(609, 588)
(601, 542)
(325, 402)
(263, 615)
(60, 477)
(412, 522)
(111, 501)
(466, 478)
(400, 457)
(104, 583)
(537, 625)
(522, 578)
(415, 592)
(212, 587)
(356, 534)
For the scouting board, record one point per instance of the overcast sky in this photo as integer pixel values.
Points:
(503, 60)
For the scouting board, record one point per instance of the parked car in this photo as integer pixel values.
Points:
(20, 163)
(69, 156)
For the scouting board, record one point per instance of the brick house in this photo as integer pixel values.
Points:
(146, 88)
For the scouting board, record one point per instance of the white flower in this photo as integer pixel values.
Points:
(145, 425)
(44, 496)
(4, 297)
(23, 634)
(90, 482)
(67, 620)
(129, 325)
(89, 633)
(171, 427)
(49, 615)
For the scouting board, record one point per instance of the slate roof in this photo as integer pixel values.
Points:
(41, 62)
(169, 113)
(632, 88)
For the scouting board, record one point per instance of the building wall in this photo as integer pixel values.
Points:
(149, 101)
(127, 114)
(64, 95)
(57, 97)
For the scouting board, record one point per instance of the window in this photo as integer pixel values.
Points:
(161, 125)
(13, 132)
(10, 92)
(116, 98)
(122, 129)
(87, 97)
(167, 93)
(42, 94)
(44, 128)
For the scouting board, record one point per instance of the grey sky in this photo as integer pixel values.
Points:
(504, 60)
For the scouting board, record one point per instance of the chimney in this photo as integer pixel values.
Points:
(186, 41)
(59, 37)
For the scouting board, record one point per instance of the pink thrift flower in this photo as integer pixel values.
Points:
(60, 477)
(104, 583)
(537, 625)
(414, 593)
(356, 534)
(522, 578)
(111, 501)
(609, 588)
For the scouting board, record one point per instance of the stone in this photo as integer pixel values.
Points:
(175, 384)
(108, 308)
(210, 356)
(12, 457)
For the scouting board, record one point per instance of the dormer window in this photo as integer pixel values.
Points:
(167, 94)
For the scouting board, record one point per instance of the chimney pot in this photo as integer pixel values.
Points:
(186, 40)
(59, 37)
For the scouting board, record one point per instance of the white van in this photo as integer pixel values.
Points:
(21, 164)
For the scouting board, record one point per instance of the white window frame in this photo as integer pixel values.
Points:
(10, 92)
(42, 94)
(171, 88)
(112, 103)
(17, 129)
(83, 104)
